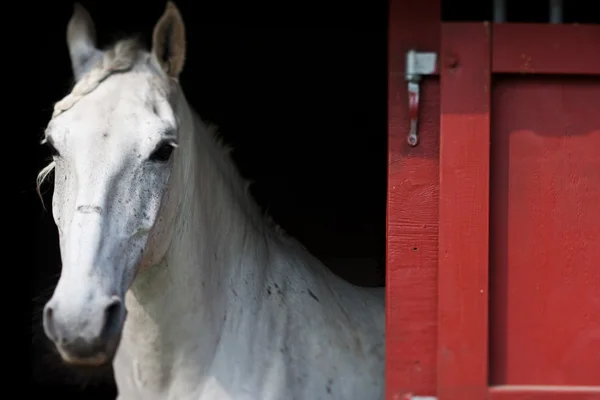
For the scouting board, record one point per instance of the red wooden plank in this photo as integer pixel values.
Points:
(546, 49)
(545, 232)
(534, 392)
(464, 205)
(412, 201)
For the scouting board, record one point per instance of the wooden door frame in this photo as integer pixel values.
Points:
(464, 211)
(420, 329)
(412, 209)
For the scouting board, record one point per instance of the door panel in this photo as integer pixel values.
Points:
(545, 232)
(519, 258)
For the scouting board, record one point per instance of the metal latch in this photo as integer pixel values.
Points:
(417, 65)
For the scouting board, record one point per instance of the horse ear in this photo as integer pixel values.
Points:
(168, 41)
(81, 40)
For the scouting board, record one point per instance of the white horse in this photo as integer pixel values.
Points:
(169, 270)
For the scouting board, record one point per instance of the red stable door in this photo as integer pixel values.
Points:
(493, 287)
(519, 258)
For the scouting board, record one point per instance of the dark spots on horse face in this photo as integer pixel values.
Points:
(105, 135)
(328, 387)
(311, 294)
(301, 379)
(269, 290)
(283, 349)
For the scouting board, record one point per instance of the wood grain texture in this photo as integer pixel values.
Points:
(464, 212)
(545, 232)
(521, 48)
(412, 202)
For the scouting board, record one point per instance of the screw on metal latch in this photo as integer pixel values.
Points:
(413, 138)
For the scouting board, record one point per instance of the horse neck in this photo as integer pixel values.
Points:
(219, 225)
(219, 250)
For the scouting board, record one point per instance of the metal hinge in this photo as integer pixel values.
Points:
(418, 64)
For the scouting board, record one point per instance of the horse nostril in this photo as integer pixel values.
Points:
(48, 322)
(112, 317)
(48, 311)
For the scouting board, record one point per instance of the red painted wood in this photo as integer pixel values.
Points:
(544, 393)
(464, 217)
(412, 201)
(528, 363)
(546, 49)
(545, 218)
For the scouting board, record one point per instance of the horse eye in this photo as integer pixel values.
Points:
(162, 153)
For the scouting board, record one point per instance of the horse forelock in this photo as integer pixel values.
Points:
(121, 57)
